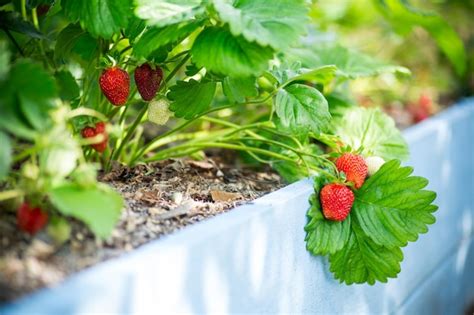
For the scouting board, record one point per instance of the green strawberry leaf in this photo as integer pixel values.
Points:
(339, 101)
(404, 17)
(12, 119)
(191, 98)
(372, 131)
(27, 96)
(392, 207)
(13, 21)
(362, 260)
(302, 108)
(237, 90)
(287, 74)
(73, 40)
(155, 38)
(68, 87)
(219, 51)
(97, 206)
(135, 27)
(324, 236)
(323, 75)
(351, 64)
(101, 18)
(166, 12)
(277, 24)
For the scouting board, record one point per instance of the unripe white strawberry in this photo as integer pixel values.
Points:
(158, 111)
(374, 163)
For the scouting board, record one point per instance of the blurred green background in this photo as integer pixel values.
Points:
(434, 39)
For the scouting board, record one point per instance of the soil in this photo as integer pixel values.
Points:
(160, 198)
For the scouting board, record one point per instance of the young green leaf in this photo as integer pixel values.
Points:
(392, 207)
(166, 12)
(191, 98)
(324, 236)
(372, 131)
(99, 207)
(68, 87)
(5, 155)
(362, 260)
(237, 90)
(286, 74)
(302, 108)
(278, 23)
(155, 38)
(101, 18)
(219, 51)
(323, 75)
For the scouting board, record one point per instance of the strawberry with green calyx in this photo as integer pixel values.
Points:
(354, 167)
(99, 129)
(115, 84)
(336, 201)
(158, 111)
(31, 219)
(148, 79)
(374, 163)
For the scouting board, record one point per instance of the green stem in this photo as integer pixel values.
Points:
(25, 153)
(182, 136)
(122, 116)
(23, 10)
(128, 135)
(35, 18)
(177, 56)
(205, 145)
(84, 111)
(10, 194)
(151, 145)
(257, 137)
(114, 112)
(125, 50)
(176, 69)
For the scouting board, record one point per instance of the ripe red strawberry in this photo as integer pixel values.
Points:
(89, 132)
(354, 167)
(148, 81)
(336, 200)
(30, 219)
(115, 84)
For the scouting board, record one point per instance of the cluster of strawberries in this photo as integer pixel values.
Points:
(115, 84)
(337, 198)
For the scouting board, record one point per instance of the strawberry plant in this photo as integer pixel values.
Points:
(245, 75)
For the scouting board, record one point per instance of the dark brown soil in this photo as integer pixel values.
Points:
(160, 199)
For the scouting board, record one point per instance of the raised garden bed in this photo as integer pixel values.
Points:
(161, 198)
(253, 259)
